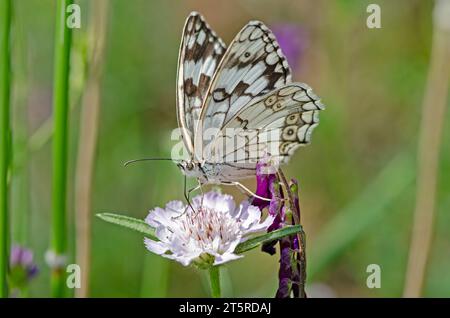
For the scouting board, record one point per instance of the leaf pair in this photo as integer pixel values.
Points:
(144, 228)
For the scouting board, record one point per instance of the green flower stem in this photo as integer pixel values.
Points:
(63, 37)
(214, 280)
(5, 134)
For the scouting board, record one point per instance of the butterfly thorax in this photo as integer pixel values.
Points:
(206, 172)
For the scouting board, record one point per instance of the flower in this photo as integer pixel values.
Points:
(205, 233)
(22, 267)
(292, 40)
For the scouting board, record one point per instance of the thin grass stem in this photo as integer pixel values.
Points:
(90, 112)
(63, 37)
(430, 143)
(20, 178)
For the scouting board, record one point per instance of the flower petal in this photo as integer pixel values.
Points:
(224, 258)
(215, 201)
(250, 215)
(155, 247)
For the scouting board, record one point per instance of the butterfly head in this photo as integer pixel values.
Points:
(189, 168)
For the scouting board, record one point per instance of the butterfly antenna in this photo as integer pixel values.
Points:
(149, 159)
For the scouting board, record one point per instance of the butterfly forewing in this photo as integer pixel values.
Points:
(252, 66)
(200, 53)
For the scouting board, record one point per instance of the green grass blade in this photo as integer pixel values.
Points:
(5, 134)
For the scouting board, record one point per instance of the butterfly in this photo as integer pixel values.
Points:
(238, 105)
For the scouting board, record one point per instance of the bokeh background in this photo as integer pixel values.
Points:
(357, 177)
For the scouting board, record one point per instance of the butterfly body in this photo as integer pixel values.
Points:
(238, 105)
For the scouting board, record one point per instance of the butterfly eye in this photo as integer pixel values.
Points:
(189, 166)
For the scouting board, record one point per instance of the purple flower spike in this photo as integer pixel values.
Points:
(277, 210)
(292, 40)
(267, 186)
(292, 270)
(293, 187)
(292, 273)
(285, 272)
(264, 180)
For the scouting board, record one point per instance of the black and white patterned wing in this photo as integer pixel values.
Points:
(252, 66)
(200, 53)
(274, 126)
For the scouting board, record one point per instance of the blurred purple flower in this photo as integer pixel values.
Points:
(22, 267)
(293, 42)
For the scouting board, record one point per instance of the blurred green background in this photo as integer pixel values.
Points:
(357, 177)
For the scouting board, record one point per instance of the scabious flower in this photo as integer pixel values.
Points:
(206, 235)
(22, 267)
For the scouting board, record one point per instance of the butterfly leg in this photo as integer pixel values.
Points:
(187, 195)
(201, 189)
(246, 190)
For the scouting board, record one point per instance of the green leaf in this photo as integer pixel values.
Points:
(129, 222)
(268, 237)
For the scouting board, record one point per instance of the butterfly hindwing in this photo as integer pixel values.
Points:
(200, 53)
(274, 125)
(252, 66)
